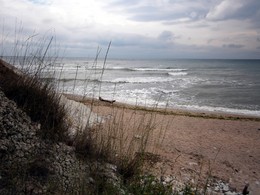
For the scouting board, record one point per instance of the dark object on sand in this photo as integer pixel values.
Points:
(109, 101)
(245, 190)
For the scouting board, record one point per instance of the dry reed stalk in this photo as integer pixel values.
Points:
(125, 138)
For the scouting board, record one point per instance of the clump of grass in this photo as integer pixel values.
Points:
(40, 102)
(123, 139)
(25, 86)
(149, 184)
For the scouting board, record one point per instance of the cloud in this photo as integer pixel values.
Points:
(166, 36)
(226, 9)
(140, 41)
(234, 9)
(141, 28)
(232, 46)
(166, 11)
(41, 2)
(125, 3)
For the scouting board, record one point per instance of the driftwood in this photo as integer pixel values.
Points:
(109, 101)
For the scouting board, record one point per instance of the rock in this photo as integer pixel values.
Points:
(168, 180)
(230, 193)
(225, 188)
(217, 189)
(91, 180)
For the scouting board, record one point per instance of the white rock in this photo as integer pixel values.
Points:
(217, 189)
(168, 179)
(230, 193)
(193, 164)
(138, 136)
(225, 188)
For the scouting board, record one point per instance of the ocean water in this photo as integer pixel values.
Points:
(230, 86)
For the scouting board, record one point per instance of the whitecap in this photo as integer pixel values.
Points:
(177, 73)
(160, 69)
(142, 80)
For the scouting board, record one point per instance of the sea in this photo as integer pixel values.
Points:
(228, 86)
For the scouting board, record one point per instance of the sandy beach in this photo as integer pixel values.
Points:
(195, 145)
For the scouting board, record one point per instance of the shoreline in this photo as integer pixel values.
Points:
(167, 111)
(194, 143)
(228, 143)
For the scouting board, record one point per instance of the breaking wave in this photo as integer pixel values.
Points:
(177, 73)
(141, 80)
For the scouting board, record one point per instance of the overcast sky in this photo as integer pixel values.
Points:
(141, 28)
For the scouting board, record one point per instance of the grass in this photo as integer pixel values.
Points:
(149, 184)
(123, 139)
(33, 56)
(39, 100)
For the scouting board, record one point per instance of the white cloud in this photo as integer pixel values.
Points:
(224, 10)
(234, 9)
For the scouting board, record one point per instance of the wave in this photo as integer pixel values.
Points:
(109, 68)
(177, 73)
(119, 68)
(141, 80)
(165, 91)
(139, 69)
(81, 80)
(159, 69)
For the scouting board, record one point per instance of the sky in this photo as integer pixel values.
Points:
(147, 29)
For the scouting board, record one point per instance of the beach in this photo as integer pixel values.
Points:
(195, 145)
(188, 146)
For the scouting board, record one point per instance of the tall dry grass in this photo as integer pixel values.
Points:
(33, 56)
(122, 138)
